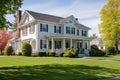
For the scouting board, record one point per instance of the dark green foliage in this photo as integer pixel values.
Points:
(8, 50)
(96, 52)
(26, 49)
(51, 53)
(13, 53)
(20, 53)
(70, 52)
(110, 50)
(61, 54)
(41, 53)
(8, 7)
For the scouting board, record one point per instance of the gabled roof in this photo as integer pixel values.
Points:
(46, 17)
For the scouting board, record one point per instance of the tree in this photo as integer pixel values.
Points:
(8, 7)
(4, 37)
(94, 36)
(110, 23)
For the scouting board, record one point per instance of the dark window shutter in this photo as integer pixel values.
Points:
(40, 44)
(82, 32)
(54, 29)
(40, 27)
(59, 29)
(47, 28)
(66, 29)
(78, 32)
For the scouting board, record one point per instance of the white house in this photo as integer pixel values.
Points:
(98, 42)
(51, 33)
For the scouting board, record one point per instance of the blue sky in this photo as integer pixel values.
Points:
(87, 11)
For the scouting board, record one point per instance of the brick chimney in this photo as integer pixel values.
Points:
(18, 18)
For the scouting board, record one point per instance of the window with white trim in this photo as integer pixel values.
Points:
(44, 27)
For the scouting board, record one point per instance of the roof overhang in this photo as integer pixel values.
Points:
(58, 36)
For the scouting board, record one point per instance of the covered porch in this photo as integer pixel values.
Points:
(59, 43)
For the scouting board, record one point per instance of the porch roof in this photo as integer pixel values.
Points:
(68, 37)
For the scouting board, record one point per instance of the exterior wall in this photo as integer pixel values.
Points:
(38, 35)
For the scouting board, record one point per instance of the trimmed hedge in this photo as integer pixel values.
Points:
(70, 52)
(110, 50)
(51, 53)
(8, 50)
(41, 53)
(96, 52)
(20, 53)
(46, 53)
(26, 49)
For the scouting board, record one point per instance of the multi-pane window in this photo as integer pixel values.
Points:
(84, 33)
(32, 29)
(67, 30)
(57, 44)
(72, 30)
(24, 31)
(57, 29)
(44, 27)
(42, 44)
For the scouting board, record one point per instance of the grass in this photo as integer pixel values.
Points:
(56, 68)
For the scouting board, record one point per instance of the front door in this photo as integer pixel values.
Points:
(67, 44)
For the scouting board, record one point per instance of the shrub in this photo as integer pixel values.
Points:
(8, 50)
(70, 52)
(41, 53)
(96, 52)
(51, 53)
(13, 53)
(110, 50)
(26, 49)
(61, 54)
(20, 53)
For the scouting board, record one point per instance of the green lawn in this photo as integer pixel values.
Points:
(57, 68)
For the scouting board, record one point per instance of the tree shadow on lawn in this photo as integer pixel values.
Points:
(55, 72)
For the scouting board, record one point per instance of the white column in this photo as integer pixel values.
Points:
(71, 43)
(64, 44)
(83, 44)
(47, 44)
(88, 44)
(52, 44)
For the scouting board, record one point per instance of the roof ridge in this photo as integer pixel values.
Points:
(44, 14)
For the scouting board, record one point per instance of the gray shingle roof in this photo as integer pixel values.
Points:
(46, 17)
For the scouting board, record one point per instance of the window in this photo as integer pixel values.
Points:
(57, 44)
(24, 31)
(84, 33)
(32, 29)
(42, 44)
(44, 27)
(57, 29)
(78, 32)
(72, 30)
(67, 30)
